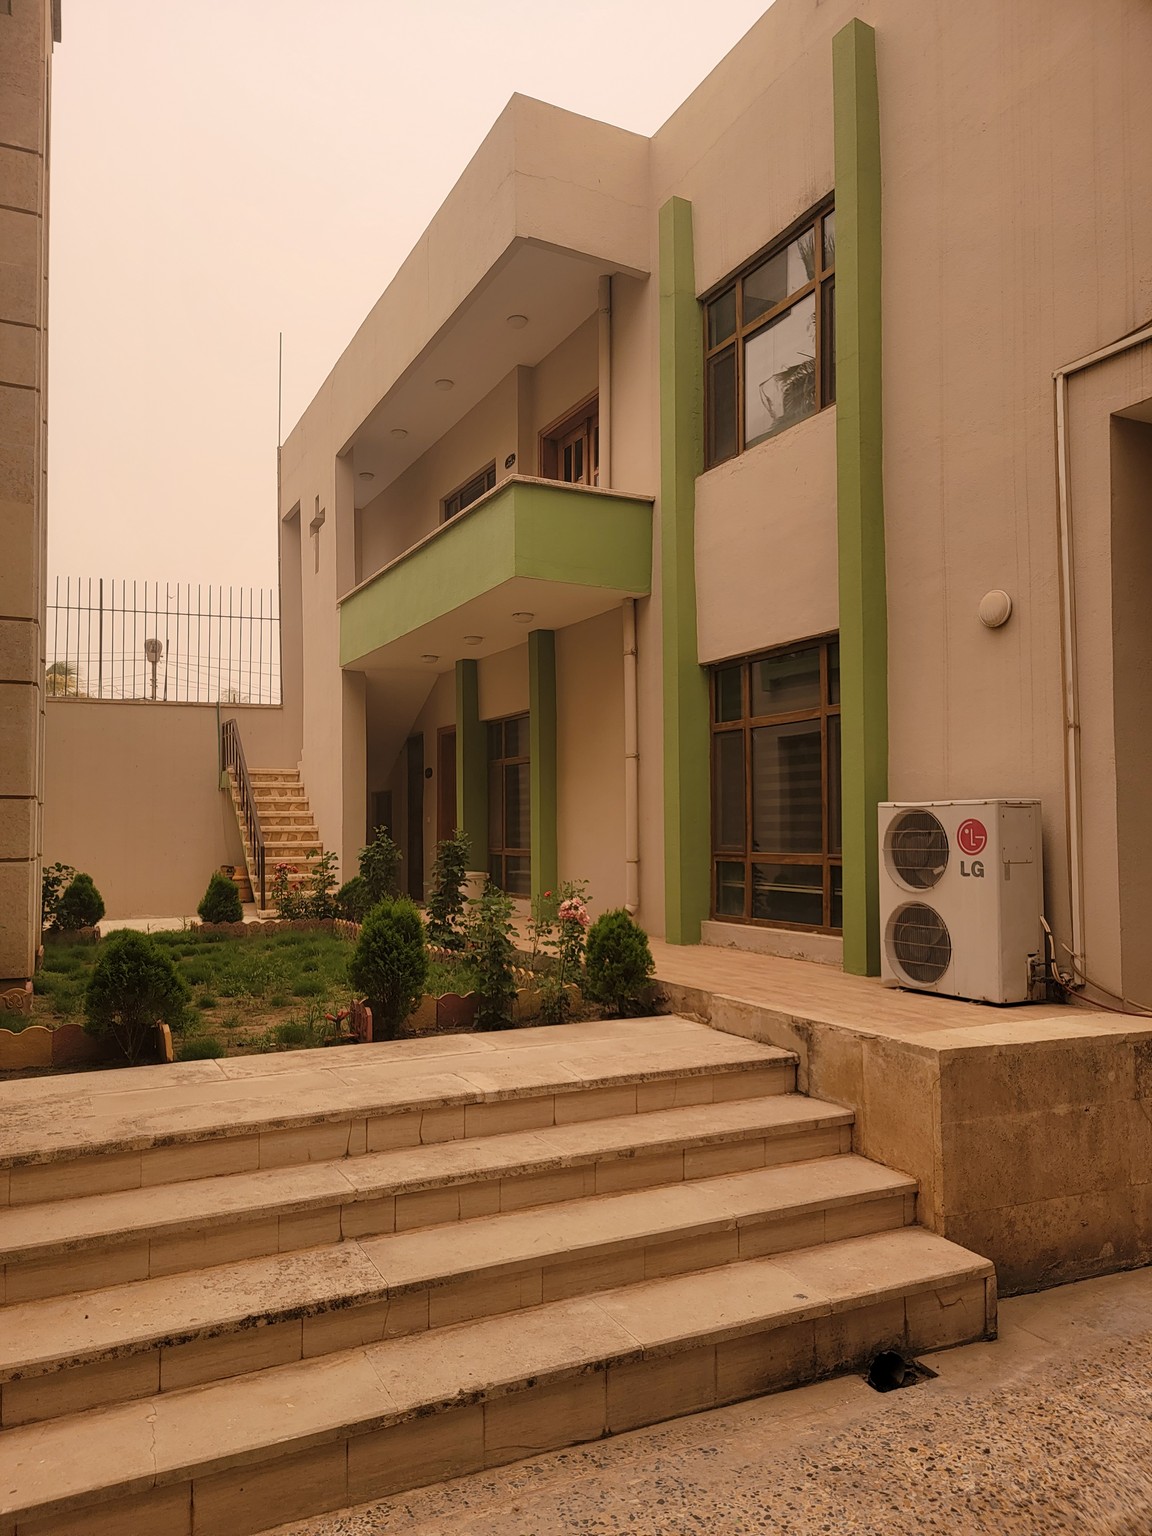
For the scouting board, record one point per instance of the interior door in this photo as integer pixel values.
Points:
(414, 849)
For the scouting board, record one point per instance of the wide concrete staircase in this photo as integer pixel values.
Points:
(286, 822)
(242, 1292)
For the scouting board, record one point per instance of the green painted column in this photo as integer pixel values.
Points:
(471, 763)
(860, 485)
(542, 750)
(687, 805)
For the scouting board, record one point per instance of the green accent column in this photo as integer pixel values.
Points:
(471, 763)
(860, 485)
(687, 803)
(542, 749)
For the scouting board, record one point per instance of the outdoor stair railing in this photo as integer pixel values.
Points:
(232, 751)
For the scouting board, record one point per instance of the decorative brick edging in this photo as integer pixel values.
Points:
(41, 1045)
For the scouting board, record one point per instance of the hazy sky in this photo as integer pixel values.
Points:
(228, 169)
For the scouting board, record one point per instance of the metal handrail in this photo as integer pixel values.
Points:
(233, 751)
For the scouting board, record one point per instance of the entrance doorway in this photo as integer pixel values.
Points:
(414, 840)
(445, 782)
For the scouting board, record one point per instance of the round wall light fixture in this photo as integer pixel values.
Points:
(995, 608)
(473, 639)
(445, 384)
(523, 618)
(399, 433)
(429, 658)
(366, 474)
(517, 322)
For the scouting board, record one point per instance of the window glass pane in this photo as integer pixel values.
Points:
(728, 819)
(729, 702)
(788, 893)
(830, 240)
(730, 889)
(785, 683)
(834, 672)
(495, 739)
(772, 282)
(516, 737)
(836, 918)
(495, 803)
(722, 318)
(828, 341)
(780, 372)
(516, 804)
(835, 819)
(496, 870)
(787, 803)
(721, 391)
(518, 876)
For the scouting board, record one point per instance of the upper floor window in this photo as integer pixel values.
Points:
(471, 491)
(570, 448)
(768, 337)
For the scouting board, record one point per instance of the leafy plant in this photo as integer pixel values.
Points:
(491, 952)
(353, 900)
(390, 964)
(565, 939)
(201, 1048)
(133, 987)
(380, 867)
(287, 897)
(81, 905)
(618, 962)
(318, 899)
(445, 909)
(54, 881)
(221, 901)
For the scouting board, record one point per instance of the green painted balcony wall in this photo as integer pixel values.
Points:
(531, 529)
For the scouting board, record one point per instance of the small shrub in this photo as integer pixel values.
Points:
(206, 1000)
(618, 962)
(446, 897)
(491, 952)
(309, 986)
(380, 867)
(286, 894)
(318, 899)
(353, 900)
(565, 937)
(54, 881)
(390, 963)
(133, 987)
(220, 903)
(201, 1048)
(81, 905)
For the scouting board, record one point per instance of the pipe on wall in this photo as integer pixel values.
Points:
(604, 380)
(1073, 787)
(631, 763)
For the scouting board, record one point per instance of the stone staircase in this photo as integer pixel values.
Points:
(242, 1292)
(286, 820)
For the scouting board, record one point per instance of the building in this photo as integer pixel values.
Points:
(28, 30)
(643, 525)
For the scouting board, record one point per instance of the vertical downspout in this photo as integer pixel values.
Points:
(604, 380)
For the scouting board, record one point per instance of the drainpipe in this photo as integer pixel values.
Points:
(1073, 787)
(604, 381)
(631, 763)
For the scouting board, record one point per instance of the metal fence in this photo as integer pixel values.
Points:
(186, 643)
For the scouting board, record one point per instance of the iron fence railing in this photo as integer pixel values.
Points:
(187, 642)
(232, 755)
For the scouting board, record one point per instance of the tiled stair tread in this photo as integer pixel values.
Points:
(66, 1463)
(97, 1118)
(32, 1232)
(96, 1325)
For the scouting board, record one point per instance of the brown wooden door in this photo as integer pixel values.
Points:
(570, 448)
(414, 850)
(446, 783)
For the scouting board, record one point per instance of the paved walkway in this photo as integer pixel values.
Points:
(1047, 1431)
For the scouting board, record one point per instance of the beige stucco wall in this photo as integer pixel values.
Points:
(132, 797)
(25, 94)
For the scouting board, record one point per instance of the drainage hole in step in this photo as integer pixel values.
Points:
(890, 1370)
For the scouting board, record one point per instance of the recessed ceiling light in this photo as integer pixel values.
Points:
(473, 639)
(517, 322)
(399, 433)
(523, 618)
(445, 383)
(366, 474)
(429, 658)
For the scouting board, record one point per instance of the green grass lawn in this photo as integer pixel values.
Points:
(266, 993)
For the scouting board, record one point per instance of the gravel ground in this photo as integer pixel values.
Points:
(1047, 1431)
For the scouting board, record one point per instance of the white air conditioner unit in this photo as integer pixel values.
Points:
(960, 898)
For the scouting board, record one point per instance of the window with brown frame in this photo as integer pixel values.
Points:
(470, 491)
(776, 840)
(570, 447)
(769, 340)
(509, 806)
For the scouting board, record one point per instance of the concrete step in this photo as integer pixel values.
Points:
(74, 1245)
(163, 1125)
(294, 1440)
(109, 1345)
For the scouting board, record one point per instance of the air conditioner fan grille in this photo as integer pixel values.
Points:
(919, 942)
(917, 849)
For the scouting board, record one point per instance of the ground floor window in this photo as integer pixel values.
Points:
(509, 806)
(776, 788)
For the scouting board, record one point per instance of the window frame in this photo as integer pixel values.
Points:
(828, 858)
(821, 285)
(585, 414)
(487, 474)
(499, 764)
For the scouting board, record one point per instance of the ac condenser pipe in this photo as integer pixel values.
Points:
(1073, 787)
